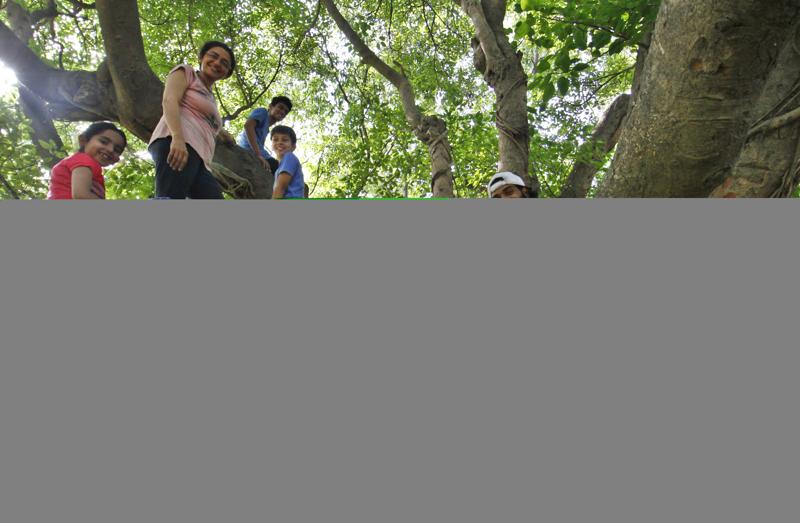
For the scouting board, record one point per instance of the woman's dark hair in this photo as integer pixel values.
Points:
(282, 100)
(97, 128)
(285, 130)
(214, 43)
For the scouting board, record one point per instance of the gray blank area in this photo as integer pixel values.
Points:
(473, 361)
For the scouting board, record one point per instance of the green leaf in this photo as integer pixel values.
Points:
(617, 46)
(563, 60)
(600, 39)
(522, 29)
(543, 65)
(581, 38)
(548, 93)
(563, 85)
(546, 42)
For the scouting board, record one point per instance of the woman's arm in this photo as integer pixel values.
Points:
(82, 184)
(173, 93)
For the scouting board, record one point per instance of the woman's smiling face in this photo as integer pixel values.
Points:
(215, 64)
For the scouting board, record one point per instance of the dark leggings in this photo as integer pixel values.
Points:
(193, 181)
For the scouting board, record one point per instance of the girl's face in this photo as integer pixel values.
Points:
(215, 64)
(105, 147)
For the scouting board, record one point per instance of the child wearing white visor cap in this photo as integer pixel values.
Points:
(508, 185)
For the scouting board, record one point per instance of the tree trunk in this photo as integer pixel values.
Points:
(136, 89)
(769, 163)
(430, 130)
(704, 73)
(501, 66)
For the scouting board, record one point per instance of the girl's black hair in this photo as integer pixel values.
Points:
(97, 128)
(214, 43)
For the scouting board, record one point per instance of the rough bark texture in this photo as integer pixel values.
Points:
(240, 174)
(123, 89)
(704, 73)
(603, 139)
(641, 57)
(80, 91)
(769, 164)
(432, 131)
(501, 66)
(133, 83)
(429, 129)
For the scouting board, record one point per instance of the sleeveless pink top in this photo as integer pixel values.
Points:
(200, 118)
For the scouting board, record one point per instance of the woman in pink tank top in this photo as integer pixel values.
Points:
(182, 144)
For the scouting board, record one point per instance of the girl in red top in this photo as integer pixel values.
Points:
(80, 176)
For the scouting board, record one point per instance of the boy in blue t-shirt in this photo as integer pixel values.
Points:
(289, 182)
(256, 128)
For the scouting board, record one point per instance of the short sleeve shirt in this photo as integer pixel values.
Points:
(61, 177)
(263, 122)
(199, 115)
(291, 166)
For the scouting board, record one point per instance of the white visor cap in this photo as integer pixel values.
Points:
(504, 178)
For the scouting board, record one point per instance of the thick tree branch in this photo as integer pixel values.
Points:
(501, 66)
(412, 112)
(136, 88)
(603, 139)
(430, 130)
(69, 113)
(79, 88)
(483, 29)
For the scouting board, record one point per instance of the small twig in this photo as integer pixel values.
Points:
(776, 123)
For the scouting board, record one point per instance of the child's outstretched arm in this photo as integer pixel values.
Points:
(82, 184)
